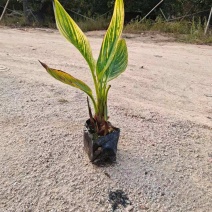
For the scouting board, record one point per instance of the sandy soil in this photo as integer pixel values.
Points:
(162, 103)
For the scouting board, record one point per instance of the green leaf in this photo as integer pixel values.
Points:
(111, 38)
(68, 79)
(119, 62)
(70, 30)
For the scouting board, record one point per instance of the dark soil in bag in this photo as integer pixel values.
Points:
(100, 149)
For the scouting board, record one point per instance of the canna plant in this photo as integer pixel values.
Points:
(112, 61)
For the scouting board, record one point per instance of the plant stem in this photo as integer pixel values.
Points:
(106, 111)
(93, 68)
(94, 103)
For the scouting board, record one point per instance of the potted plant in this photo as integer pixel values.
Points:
(100, 136)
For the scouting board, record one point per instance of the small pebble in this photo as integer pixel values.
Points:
(129, 208)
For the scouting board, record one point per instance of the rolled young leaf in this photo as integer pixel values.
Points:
(70, 30)
(119, 62)
(111, 38)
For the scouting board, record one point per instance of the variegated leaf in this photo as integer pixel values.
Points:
(119, 62)
(68, 79)
(111, 38)
(70, 30)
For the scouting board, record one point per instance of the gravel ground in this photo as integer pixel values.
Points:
(162, 103)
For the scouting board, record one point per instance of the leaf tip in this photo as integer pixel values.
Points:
(43, 64)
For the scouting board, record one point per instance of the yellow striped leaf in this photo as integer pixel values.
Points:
(111, 38)
(119, 62)
(68, 79)
(70, 30)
